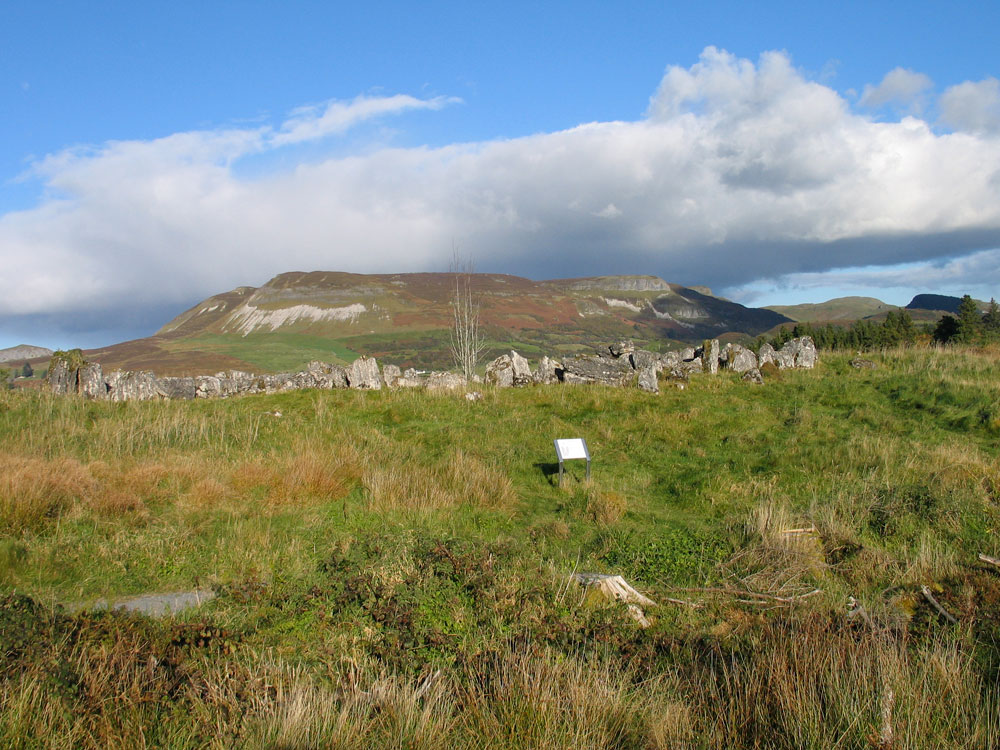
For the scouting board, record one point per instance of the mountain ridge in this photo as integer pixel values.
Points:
(406, 318)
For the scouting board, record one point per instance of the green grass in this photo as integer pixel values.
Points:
(273, 352)
(362, 541)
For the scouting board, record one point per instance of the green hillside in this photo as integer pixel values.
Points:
(840, 308)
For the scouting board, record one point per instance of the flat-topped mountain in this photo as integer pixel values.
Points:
(406, 319)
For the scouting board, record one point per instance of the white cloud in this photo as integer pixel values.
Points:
(739, 171)
(901, 87)
(972, 106)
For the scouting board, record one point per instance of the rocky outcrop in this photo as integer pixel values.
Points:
(363, 373)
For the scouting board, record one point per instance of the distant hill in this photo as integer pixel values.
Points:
(23, 352)
(940, 303)
(406, 319)
(838, 309)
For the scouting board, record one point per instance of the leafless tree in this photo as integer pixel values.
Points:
(467, 342)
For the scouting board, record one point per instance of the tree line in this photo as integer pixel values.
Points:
(968, 326)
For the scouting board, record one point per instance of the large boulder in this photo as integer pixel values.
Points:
(753, 376)
(740, 359)
(500, 372)
(445, 381)
(207, 386)
(90, 382)
(589, 369)
(621, 349)
(62, 378)
(141, 385)
(688, 353)
(547, 371)
(669, 360)
(521, 369)
(179, 388)
(641, 359)
(391, 374)
(363, 373)
(648, 380)
(800, 352)
(765, 354)
(326, 375)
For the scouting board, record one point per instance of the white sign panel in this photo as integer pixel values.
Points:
(572, 448)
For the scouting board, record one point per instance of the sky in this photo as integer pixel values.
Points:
(154, 154)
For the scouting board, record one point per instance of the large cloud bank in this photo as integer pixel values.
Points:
(738, 171)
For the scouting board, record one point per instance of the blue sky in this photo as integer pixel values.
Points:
(151, 155)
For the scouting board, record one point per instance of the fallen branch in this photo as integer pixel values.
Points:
(934, 602)
(990, 560)
(754, 594)
(809, 530)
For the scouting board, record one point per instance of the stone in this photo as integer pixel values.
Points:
(641, 359)
(391, 374)
(500, 372)
(207, 386)
(590, 369)
(179, 388)
(710, 355)
(800, 352)
(806, 356)
(648, 380)
(473, 396)
(670, 359)
(765, 354)
(687, 354)
(363, 373)
(133, 386)
(863, 364)
(621, 349)
(740, 359)
(326, 375)
(521, 369)
(546, 374)
(693, 365)
(61, 378)
(90, 382)
(445, 381)
(411, 379)
(753, 376)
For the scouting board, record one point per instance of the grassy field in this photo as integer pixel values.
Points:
(392, 568)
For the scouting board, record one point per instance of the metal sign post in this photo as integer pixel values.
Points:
(568, 449)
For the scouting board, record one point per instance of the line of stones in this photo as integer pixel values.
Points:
(621, 365)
